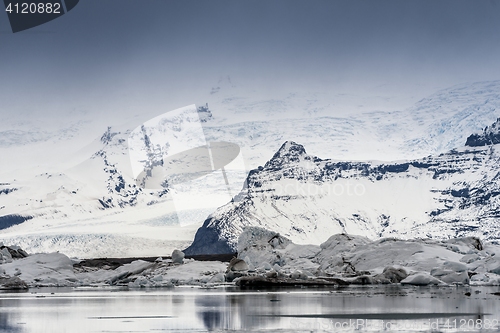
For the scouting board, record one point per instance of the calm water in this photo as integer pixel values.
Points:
(392, 308)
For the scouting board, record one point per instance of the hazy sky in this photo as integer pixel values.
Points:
(118, 55)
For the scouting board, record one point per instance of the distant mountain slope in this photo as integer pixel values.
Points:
(433, 125)
(97, 208)
(307, 199)
(68, 179)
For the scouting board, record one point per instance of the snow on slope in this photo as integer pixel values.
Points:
(96, 207)
(307, 199)
(433, 125)
(450, 115)
(77, 191)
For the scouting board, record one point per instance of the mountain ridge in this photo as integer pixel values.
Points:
(458, 195)
(78, 180)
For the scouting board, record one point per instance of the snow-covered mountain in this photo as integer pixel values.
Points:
(68, 184)
(91, 209)
(98, 206)
(306, 198)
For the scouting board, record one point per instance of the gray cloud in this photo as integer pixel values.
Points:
(120, 54)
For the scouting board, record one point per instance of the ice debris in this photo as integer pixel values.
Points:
(177, 257)
(269, 258)
(57, 270)
(350, 259)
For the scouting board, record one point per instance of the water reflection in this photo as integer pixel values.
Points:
(5, 325)
(211, 310)
(230, 309)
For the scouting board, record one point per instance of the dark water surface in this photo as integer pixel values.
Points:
(228, 309)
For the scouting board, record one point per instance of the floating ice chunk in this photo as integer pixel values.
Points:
(267, 266)
(454, 266)
(12, 283)
(454, 277)
(421, 279)
(237, 265)
(114, 276)
(363, 280)
(391, 275)
(192, 272)
(266, 249)
(451, 276)
(46, 269)
(217, 278)
(470, 258)
(5, 256)
(178, 257)
(298, 275)
(359, 260)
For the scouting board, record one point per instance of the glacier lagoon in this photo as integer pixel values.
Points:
(228, 308)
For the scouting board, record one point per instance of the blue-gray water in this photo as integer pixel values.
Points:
(185, 309)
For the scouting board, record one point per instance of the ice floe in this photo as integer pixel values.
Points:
(359, 260)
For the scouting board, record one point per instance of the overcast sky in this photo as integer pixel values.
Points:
(118, 55)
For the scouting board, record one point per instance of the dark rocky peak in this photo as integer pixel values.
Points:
(204, 113)
(490, 136)
(290, 148)
(107, 137)
(290, 152)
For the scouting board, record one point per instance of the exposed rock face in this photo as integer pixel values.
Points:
(208, 240)
(305, 198)
(7, 221)
(204, 113)
(490, 136)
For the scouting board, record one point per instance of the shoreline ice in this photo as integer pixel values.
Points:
(267, 258)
